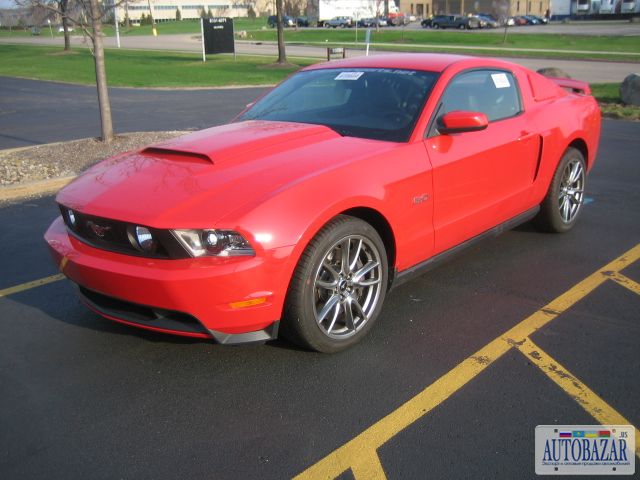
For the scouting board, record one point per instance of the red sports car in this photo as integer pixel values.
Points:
(348, 178)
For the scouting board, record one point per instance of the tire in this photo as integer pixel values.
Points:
(333, 301)
(436, 26)
(562, 205)
(462, 26)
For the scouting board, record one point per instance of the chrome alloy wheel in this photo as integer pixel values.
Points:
(571, 193)
(347, 286)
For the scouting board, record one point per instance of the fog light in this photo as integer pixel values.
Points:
(144, 238)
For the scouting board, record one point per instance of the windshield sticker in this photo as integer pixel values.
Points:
(349, 76)
(500, 80)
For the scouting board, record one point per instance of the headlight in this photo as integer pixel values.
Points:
(144, 238)
(71, 218)
(219, 243)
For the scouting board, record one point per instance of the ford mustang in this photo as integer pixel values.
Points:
(348, 178)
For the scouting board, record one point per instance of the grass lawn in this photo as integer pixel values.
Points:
(608, 96)
(141, 69)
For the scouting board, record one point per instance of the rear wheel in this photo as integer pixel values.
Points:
(436, 26)
(561, 207)
(338, 287)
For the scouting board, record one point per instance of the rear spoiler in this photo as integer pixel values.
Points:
(574, 86)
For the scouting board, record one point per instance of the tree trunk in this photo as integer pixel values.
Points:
(65, 24)
(282, 54)
(101, 75)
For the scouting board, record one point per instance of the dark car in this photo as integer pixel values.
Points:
(287, 21)
(455, 21)
(303, 21)
(426, 23)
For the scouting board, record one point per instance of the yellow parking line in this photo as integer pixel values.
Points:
(359, 454)
(35, 283)
(583, 395)
(626, 282)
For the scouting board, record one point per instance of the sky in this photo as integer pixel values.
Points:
(7, 3)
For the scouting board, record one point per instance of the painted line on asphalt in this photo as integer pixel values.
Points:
(33, 284)
(583, 395)
(360, 453)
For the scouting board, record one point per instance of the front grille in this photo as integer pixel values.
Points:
(117, 236)
(141, 314)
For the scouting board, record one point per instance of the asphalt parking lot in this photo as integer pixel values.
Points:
(524, 330)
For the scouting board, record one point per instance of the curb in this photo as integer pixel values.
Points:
(25, 190)
(43, 187)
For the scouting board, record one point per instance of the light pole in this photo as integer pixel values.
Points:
(50, 30)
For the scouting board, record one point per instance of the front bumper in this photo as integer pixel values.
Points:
(231, 300)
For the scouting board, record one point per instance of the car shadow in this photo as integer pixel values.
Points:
(63, 305)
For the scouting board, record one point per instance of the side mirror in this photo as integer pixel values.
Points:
(462, 121)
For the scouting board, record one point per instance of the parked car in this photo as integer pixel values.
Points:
(487, 22)
(541, 20)
(510, 21)
(532, 20)
(454, 21)
(341, 22)
(397, 19)
(372, 22)
(61, 29)
(426, 22)
(303, 21)
(519, 20)
(287, 21)
(349, 178)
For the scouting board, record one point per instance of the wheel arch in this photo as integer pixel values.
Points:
(580, 145)
(383, 227)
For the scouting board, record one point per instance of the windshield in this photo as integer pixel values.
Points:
(376, 103)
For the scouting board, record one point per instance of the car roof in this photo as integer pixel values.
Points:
(430, 62)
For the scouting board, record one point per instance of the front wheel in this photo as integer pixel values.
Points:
(338, 287)
(561, 207)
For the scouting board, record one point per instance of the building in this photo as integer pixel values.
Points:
(164, 10)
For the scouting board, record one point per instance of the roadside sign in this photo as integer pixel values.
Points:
(217, 36)
(367, 40)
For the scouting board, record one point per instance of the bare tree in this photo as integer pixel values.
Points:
(282, 54)
(89, 19)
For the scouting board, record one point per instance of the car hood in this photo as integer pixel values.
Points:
(194, 180)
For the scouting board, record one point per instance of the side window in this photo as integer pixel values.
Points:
(492, 92)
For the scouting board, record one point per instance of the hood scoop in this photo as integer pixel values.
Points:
(174, 154)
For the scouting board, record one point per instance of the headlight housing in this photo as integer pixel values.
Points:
(216, 243)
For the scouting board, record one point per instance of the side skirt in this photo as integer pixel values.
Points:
(410, 273)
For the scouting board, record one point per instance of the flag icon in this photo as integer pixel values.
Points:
(578, 434)
(604, 434)
(591, 434)
(565, 434)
